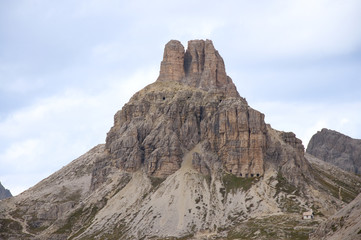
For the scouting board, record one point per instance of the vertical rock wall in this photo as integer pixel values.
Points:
(200, 66)
(194, 103)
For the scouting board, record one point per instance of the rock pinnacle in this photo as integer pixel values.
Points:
(199, 66)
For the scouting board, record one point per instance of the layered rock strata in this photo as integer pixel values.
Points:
(200, 66)
(337, 149)
(193, 101)
(157, 127)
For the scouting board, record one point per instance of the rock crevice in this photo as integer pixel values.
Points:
(199, 66)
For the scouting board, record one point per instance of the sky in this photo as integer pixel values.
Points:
(67, 66)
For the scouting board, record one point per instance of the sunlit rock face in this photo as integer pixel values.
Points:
(200, 66)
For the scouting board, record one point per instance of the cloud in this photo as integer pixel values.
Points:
(21, 150)
(55, 130)
(294, 29)
(306, 118)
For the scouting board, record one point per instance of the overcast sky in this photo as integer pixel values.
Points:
(67, 66)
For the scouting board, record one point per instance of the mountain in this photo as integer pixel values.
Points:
(186, 158)
(336, 148)
(4, 193)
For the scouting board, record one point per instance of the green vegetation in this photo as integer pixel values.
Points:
(37, 229)
(208, 179)
(9, 226)
(291, 205)
(17, 213)
(274, 227)
(35, 225)
(10, 229)
(67, 227)
(87, 221)
(75, 196)
(117, 233)
(334, 227)
(235, 217)
(284, 186)
(155, 181)
(198, 199)
(332, 184)
(188, 236)
(232, 183)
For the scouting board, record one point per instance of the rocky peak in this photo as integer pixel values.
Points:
(337, 149)
(199, 66)
(172, 66)
(195, 107)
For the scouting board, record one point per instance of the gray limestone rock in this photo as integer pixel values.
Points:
(4, 193)
(336, 148)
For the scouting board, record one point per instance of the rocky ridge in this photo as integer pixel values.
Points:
(186, 158)
(336, 148)
(4, 193)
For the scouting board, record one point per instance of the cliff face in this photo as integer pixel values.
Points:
(193, 102)
(337, 149)
(164, 121)
(4, 193)
(200, 66)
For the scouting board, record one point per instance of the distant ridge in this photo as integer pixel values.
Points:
(336, 148)
(4, 193)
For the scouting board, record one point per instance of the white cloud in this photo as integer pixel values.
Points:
(200, 27)
(277, 29)
(306, 118)
(49, 134)
(21, 151)
(344, 121)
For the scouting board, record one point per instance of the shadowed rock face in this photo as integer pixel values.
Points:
(163, 122)
(4, 193)
(337, 149)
